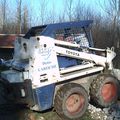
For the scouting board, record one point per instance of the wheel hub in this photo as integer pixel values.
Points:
(75, 103)
(109, 91)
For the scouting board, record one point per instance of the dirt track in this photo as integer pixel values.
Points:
(18, 112)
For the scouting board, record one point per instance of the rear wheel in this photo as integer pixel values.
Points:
(71, 101)
(104, 90)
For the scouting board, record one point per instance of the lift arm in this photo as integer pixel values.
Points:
(72, 51)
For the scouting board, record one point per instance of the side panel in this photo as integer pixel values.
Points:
(44, 96)
(43, 63)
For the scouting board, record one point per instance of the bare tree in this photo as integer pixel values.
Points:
(69, 6)
(52, 13)
(19, 15)
(61, 18)
(25, 20)
(14, 23)
(43, 11)
(4, 16)
(79, 11)
(62, 14)
(112, 8)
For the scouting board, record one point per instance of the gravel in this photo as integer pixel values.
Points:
(112, 113)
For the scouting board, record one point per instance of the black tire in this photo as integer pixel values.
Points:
(3, 94)
(104, 90)
(71, 101)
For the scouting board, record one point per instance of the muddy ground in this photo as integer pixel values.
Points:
(19, 112)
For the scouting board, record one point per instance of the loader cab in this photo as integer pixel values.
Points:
(68, 31)
(74, 32)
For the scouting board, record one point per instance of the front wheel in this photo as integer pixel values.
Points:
(71, 101)
(3, 94)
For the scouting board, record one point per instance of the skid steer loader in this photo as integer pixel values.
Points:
(56, 65)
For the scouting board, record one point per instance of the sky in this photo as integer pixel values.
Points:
(55, 7)
(59, 5)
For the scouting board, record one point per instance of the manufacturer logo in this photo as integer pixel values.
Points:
(46, 52)
(72, 53)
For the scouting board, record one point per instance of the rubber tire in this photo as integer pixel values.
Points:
(61, 96)
(96, 87)
(3, 94)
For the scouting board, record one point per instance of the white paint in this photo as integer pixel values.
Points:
(42, 64)
(22, 92)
